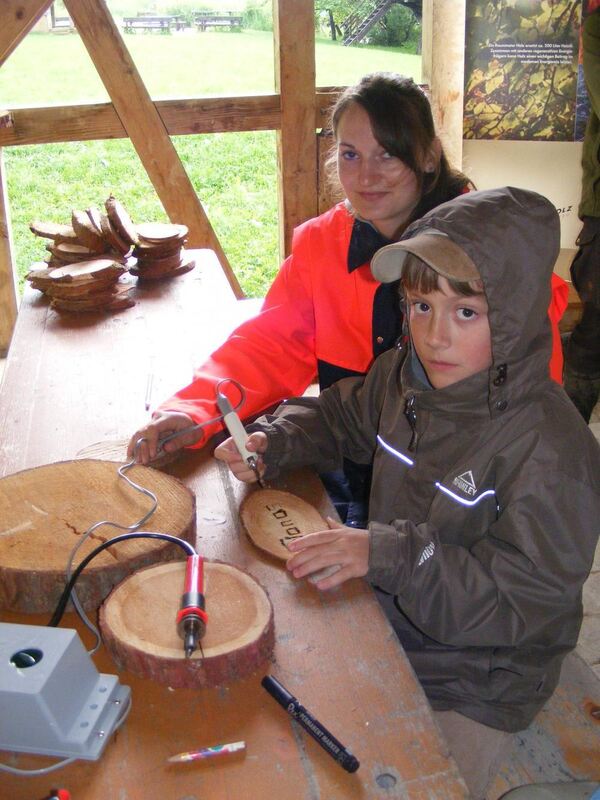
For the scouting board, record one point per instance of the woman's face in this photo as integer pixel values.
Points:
(381, 188)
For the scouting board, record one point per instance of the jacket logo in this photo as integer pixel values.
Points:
(428, 551)
(466, 483)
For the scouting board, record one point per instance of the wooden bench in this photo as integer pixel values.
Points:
(145, 22)
(228, 20)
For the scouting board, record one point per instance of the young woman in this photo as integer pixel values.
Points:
(325, 315)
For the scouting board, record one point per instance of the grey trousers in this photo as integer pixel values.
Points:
(478, 750)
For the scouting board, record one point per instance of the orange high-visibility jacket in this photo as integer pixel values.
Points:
(318, 318)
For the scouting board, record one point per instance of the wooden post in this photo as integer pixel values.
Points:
(144, 125)
(17, 20)
(294, 41)
(8, 287)
(444, 68)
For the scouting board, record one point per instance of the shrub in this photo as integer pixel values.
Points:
(258, 15)
(399, 28)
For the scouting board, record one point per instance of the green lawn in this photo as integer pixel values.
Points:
(234, 174)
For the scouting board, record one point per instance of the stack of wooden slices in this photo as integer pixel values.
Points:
(84, 285)
(159, 251)
(89, 256)
(91, 234)
(87, 260)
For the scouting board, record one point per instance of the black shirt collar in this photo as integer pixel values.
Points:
(365, 241)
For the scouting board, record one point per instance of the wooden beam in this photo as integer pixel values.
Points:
(144, 125)
(17, 20)
(8, 286)
(294, 41)
(443, 69)
(180, 117)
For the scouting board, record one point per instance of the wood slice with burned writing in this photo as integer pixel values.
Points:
(45, 511)
(138, 624)
(273, 518)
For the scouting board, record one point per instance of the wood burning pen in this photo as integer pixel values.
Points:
(312, 726)
(238, 434)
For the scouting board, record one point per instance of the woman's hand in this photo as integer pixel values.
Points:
(346, 548)
(228, 452)
(162, 424)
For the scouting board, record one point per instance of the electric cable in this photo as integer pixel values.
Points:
(135, 526)
(124, 537)
(132, 533)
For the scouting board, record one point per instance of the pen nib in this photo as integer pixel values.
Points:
(189, 645)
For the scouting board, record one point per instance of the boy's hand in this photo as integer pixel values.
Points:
(348, 548)
(228, 452)
(162, 424)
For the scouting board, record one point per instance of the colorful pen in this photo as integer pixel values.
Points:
(208, 752)
(312, 726)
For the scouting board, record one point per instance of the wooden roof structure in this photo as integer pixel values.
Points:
(150, 125)
(295, 111)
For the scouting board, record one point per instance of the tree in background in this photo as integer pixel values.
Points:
(399, 26)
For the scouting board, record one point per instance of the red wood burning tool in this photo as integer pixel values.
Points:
(191, 617)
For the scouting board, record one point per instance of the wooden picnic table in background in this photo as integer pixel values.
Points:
(153, 22)
(209, 19)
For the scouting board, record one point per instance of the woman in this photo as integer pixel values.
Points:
(325, 314)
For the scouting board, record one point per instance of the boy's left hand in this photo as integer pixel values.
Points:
(345, 547)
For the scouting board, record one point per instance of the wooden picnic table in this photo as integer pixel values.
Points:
(71, 381)
(204, 20)
(153, 22)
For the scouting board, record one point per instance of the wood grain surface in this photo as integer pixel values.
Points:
(239, 634)
(46, 511)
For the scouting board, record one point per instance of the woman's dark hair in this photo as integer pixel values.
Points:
(402, 123)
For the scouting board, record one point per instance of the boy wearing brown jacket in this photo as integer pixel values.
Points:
(485, 502)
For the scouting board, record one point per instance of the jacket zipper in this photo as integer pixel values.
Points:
(410, 412)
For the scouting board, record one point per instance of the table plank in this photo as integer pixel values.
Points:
(94, 367)
(335, 651)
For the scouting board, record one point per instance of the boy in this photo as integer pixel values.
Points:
(484, 504)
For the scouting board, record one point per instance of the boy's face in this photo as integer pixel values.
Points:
(450, 332)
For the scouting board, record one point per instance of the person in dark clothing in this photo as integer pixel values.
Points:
(582, 355)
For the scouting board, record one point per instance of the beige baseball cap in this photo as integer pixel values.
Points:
(433, 247)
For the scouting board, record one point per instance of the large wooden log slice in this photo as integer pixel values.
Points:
(45, 511)
(138, 624)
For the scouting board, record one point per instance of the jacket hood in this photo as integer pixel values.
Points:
(513, 237)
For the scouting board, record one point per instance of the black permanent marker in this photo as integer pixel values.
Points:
(319, 733)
